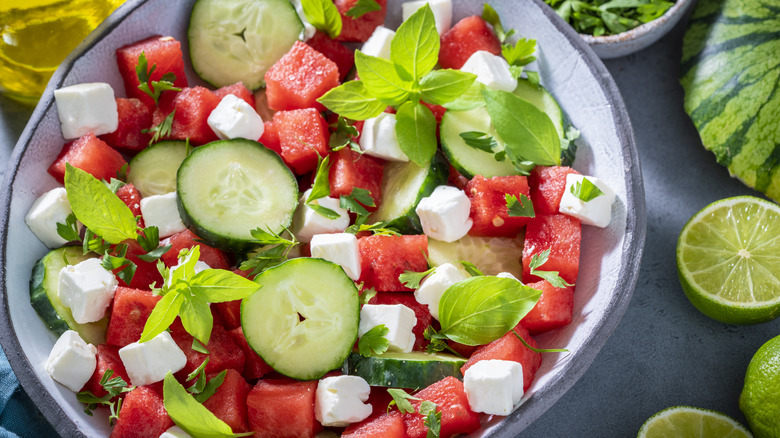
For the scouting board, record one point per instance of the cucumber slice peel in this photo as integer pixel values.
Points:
(413, 370)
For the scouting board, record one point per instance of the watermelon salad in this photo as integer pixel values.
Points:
(349, 231)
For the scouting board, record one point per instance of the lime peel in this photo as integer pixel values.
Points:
(691, 422)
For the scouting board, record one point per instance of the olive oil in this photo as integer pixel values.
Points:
(36, 35)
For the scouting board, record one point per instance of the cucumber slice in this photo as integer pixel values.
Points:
(44, 296)
(492, 255)
(238, 40)
(403, 186)
(228, 188)
(470, 161)
(413, 370)
(153, 170)
(303, 321)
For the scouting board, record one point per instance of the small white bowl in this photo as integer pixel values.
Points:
(640, 37)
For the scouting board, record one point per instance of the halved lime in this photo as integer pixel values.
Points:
(728, 260)
(689, 422)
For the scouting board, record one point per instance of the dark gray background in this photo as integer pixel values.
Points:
(664, 352)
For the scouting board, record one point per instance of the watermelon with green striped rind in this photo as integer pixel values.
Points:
(731, 75)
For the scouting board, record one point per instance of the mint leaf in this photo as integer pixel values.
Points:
(190, 415)
(412, 279)
(323, 15)
(353, 101)
(585, 191)
(97, 207)
(362, 7)
(374, 341)
(442, 86)
(381, 80)
(528, 132)
(519, 208)
(479, 310)
(552, 277)
(415, 47)
(415, 128)
(162, 316)
(94, 243)
(471, 268)
(69, 230)
(321, 186)
(479, 140)
(199, 347)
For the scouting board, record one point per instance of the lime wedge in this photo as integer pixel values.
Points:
(688, 422)
(728, 260)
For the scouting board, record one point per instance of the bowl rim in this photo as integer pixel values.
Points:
(633, 242)
(679, 7)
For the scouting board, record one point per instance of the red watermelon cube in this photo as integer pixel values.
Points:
(132, 198)
(450, 398)
(230, 312)
(107, 359)
(547, 185)
(469, 35)
(384, 258)
(335, 51)
(388, 425)
(228, 403)
(553, 310)
(146, 273)
(283, 408)
(349, 169)
(254, 367)
(421, 311)
(216, 259)
(359, 29)
(489, 208)
(162, 52)
(142, 415)
(134, 118)
(299, 78)
(270, 137)
(89, 154)
(129, 313)
(224, 353)
(192, 106)
(508, 347)
(303, 137)
(239, 90)
(559, 233)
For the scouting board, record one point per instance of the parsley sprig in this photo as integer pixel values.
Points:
(153, 88)
(428, 409)
(276, 250)
(374, 341)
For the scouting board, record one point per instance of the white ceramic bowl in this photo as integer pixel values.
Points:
(572, 72)
(640, 37)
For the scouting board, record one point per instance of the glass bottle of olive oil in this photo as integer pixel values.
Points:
(36, 35)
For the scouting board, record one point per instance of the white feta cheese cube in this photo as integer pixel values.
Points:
(71, 361)
(494, 386)
(378, 138)
(308, 29)
(506, 275)
(234, 118)
(399, 320)
(307, 222)
(341, 400)
(175, 432)
(339, 248)
(378, 44)
(162, 212)
(42, 218)
(442, 12)
(492, 70)
(87, 288)
(433, 287)
(597, 211)
(85, 108)
(444, 214)
(150, 361)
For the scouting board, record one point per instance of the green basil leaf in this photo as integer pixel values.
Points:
(199, 347)
(190, 415)
(381, 80)
(479, 310)
(353, 101)
(527, 131)
(479, 140)
(164, 313)
(441, 86)
(324, 211)
(323, 15)
(471, 99)
(219, 286)
(321, 186)
(196, 317)
(415, 47)
(362, 7)
(97, 207)
(491, 16)
(415, 128)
